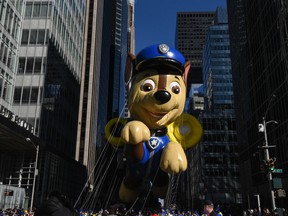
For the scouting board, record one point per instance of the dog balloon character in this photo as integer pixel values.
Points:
(158, 132)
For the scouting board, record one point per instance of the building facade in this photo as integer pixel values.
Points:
(214, 168)
(47, 27)
(90, 88)
(10, 38)
(259, 62)
(219, 145)
(44, 95)
(103, 94)
(191, 31)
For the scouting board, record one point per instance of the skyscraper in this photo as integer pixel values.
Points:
(44, 92)
(108, 40)
(214, 171)
(90, 87)
(49, 70)
(219, 145)
(259, 62)
(191, 30)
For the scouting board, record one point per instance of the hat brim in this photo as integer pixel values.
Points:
(175, 66)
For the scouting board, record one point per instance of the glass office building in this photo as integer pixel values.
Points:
(191, 31)
(214, 162)
(103, 91)
(217, 74)
(48, 27)
(41, 60)
(259, 61)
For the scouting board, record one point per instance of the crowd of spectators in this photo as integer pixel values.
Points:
(16, 211)
(145, 212)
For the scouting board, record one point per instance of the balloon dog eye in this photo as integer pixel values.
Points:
(148, 85)
(175, 87)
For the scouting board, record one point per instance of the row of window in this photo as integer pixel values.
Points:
(230, 148)
(221, 98)
(31, 65)
(10, 20)
(220, 55)
(34, 37)
(5, 88)
(196, 15)
(190, 48)
(222, 88)
(66, 24)
(221, 161)
(76, 13)
(219, 123)
(220, 137)
(217, 47)
(8, 54)
(18, 4)
(73, 39)
(222, 173)
(26, 95)
(38, 10)
(191, 37)
(219, 40)
(220, 80)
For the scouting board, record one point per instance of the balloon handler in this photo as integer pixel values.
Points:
(158, 132)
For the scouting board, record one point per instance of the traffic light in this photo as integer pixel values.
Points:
(270, 164)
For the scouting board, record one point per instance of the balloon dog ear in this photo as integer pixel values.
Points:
(186, 71)
(113, 131)
(186, 130)
(129, 67)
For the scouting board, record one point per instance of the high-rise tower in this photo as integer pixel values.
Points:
(49, 72)
(191, 30)
(213, 171)
(259, 64)
(46, 92)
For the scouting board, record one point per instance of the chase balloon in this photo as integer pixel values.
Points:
(158, 132)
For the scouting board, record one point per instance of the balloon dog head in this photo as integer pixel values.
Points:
(158, 91)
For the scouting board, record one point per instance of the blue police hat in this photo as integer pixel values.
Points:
(159, 55)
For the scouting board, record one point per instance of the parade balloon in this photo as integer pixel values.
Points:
(158, 132)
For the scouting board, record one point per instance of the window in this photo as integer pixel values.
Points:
(28, 10)
(7, 19)
(33, 36)
(7, 90)
(29, 65)
(4, 56)
(21, 65)
(37, 65)
(41, 37)
(44, 10)
(25, 95)
(34, 95)
(36, 10)
(25, 36)
(17, 95)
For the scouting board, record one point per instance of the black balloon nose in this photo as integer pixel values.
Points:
(162, 96)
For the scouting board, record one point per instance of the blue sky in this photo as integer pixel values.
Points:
(155, 20)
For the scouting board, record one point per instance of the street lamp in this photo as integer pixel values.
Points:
(35, 172)
(262, 128)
